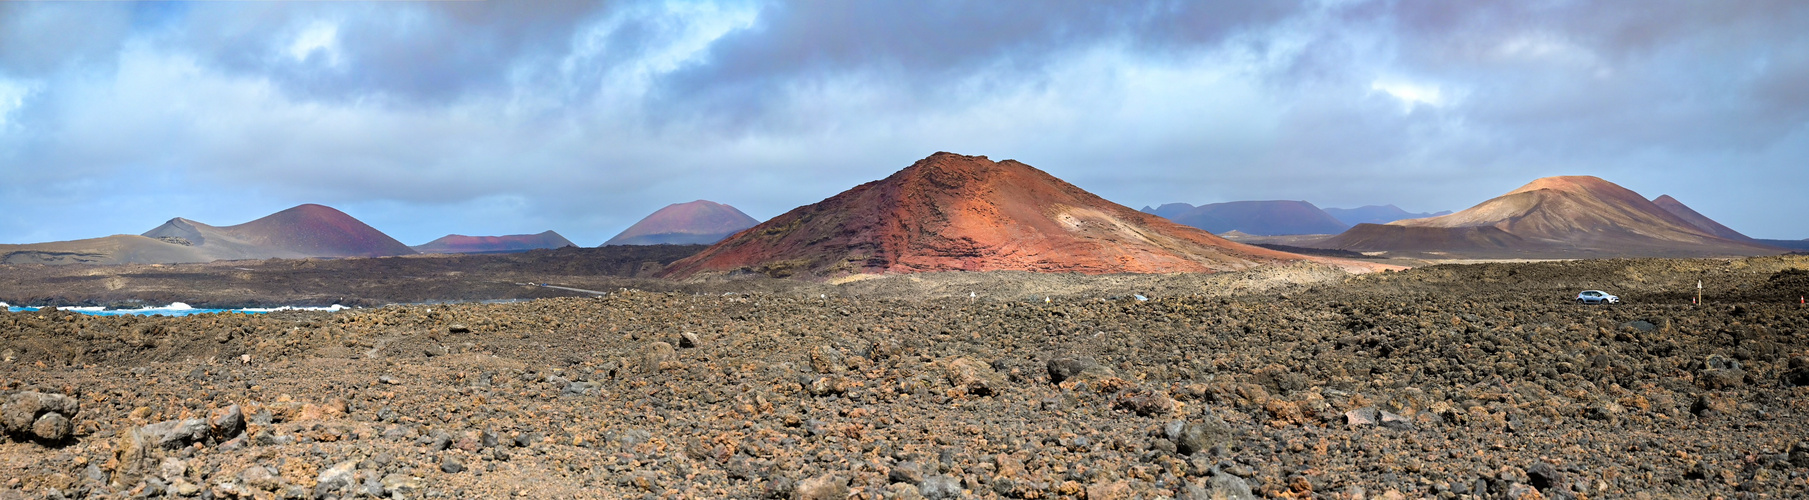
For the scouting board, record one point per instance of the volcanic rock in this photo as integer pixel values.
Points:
(1202, 435)
(458, 243)
(46, 417)
(1228, 487)
(950, 212)
(227, 422)
(825, 487)
(451, 465)
(973, 376)
(698, 222)
(173, 434)
(336, 478)
(1493, 366)
(1062, 369)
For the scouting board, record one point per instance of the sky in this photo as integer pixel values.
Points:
(486, 118)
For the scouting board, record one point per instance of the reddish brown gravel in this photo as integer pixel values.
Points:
(1476, 381)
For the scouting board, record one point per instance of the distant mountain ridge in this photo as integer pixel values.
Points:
(1267, 218)
(458, 243)
(698, 222)
(307, 230)
(1376, 214)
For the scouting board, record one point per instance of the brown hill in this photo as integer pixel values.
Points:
(1553, 217)
(110, 250)
(950, 212)
(1269, 218)
(458, 243)
(302, 231)
(1702, 222)
(698, 222)
(318, 231)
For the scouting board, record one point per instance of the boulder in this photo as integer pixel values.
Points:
(1202, 435)
(655, 354)
(173, 434)
(973, 376)
(37, 415)
(335, 478)
(824, 487)
(51, 427)
(226, 422)
(825, 359)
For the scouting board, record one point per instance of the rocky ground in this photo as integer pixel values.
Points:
(349, 282)
(1476, 381)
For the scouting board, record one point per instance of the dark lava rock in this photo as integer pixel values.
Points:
(827, 360)
(1714, 405)
(1146, 403)
(1799, 454)
(906, 472)
(1202, 435)
(1228, 487)
(38, 415)
(1713, 379)
(1396, 422)
(451, 465)
(975, 377)
(173, 434)
(335, 478)
(226, 422)
(1064, 368)
(1797, 378)
(51, 427)
(1544, 477)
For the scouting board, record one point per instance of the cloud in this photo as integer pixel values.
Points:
(489, 118)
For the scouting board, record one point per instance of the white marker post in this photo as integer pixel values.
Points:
(1698, 292)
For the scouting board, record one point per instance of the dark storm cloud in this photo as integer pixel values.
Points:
(926, 46)
(426, 118)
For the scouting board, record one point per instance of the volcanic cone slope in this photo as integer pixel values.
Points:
(1695, 218)
(700, 222)
(299, 232)
(950, 212)
(1553, 217)
(302, 231)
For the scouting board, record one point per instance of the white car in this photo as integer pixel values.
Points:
(1597, 297)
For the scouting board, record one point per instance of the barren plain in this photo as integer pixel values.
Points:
(1452, 381)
